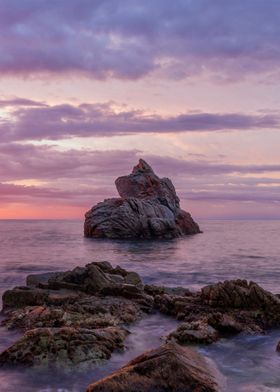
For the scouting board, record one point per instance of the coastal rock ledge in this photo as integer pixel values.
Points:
(148, 207)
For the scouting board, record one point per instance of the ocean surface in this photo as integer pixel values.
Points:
(225, 250)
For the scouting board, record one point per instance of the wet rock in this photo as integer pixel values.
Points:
(229, 307)
(87, 312)
(20, 297)
(91, 299)
(63, 347)
(89, 279)
(133, 278)
(148, 208)
(80, 306)
(238, 294)
(225, 323)
(168, 368)
(196, 332)
(154, 290)
(23, 296)
(38, 280)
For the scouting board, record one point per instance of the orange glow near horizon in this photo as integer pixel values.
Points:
(24, 211)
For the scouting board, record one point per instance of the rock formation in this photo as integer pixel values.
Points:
(218, 310)
(73, 318)
(148, 207)
(168, 368)
(90, 306)
(66, 347)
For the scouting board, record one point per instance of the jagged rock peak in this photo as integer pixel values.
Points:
(143, 183)
(141, 167)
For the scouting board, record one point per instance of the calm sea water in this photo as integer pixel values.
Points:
(226, 250)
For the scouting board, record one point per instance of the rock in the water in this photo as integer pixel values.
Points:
(238, 294)
(229, 307)
(195, 332)
(63, 347)
(169, 368)
(148, 208)
(19, 297)
(93, 296)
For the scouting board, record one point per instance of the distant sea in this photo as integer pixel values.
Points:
(225, 250)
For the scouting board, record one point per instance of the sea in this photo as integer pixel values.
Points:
(227, 249)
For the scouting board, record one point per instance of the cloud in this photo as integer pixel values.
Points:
(129, 39)
(9, 192)
(38, 121)
(16, 101)
(46, 163)
(85, 177)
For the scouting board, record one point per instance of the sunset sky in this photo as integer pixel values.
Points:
(90, 86)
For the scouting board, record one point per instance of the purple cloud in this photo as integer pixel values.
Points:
(41, 121)
(248, 195)
(45, 163)
(129, 39)
(84, 177)
(16, 101)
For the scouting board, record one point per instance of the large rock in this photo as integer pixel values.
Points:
(221, 309)
(169, 368)
(239, 294)
(195, 332)
(63, 347)
(148, 208)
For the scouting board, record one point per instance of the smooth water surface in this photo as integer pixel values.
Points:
(226, 250)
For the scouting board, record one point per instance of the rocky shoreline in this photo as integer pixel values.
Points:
(80, 317)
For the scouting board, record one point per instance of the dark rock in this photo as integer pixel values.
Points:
(238, 294)
(229, 307)
(148, 208)
(23, 296)
(86, 312)
(77, 278)
(38, 280)
(226, 324)
(168, 368)
(134, 279)
(196, 332)
(154, 290)
(85, 297)
(47, 347)
(143, 183)
(20, 297)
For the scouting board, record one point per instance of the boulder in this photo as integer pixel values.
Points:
(38, 280)
(148, 207)
(238, 294)
(63, 347)
(196, 332)
(22, 296)
(98, 278)
(85, 312)
(229, 307)
(168, 368)
(95, 296)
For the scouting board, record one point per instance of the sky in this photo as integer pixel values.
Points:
(87, 87)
